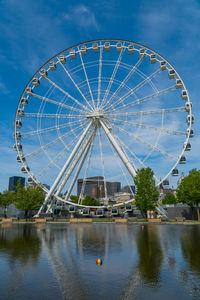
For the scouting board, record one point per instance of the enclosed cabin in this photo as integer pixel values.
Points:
(182, 160)
(114, 211)
(20, 158)
(84, 50)
(29, 90)
(152, 58)
(107, 46)
(95, 47)
(18, 124)
(72, 209)
(73, 54)
(175, 172)
(20, 112)
(128, 207)
(18, 147)
(179, 83)
(99, 212)
(18, 135)
(190, 120)
(86, 211)
(142, 53)
(43, 73)
(24, 102)
(119, 47)
(184, 95)
(52, 65)
(130, 49)
(36, 81)
(190, 132)
(163, 65)
(188, 106)
(30, 180)
(187, 146)
(165, 183)
(62, 59)
(25, 169)
(171, 74)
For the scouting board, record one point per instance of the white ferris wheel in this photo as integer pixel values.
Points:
(106, 108)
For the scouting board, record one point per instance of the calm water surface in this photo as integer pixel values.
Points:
(57, 261)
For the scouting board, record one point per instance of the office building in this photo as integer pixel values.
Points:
(13, 182)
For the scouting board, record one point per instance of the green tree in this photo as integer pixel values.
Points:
(74, 198)
(88, 200)
(189, 190)
(28, 199)
(147, 193)
(6, 198)
(169, 199)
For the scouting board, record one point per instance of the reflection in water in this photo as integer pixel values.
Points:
(60, 260)
(22, 245)
(150, 254)
(190, 243)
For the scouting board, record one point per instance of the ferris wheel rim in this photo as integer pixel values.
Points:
(85, 43)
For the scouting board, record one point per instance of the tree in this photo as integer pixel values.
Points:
(88, 200)
(28, 199)
(6, 198)
(74, 198)
(169, 199)
(147, 193)
(189, 190)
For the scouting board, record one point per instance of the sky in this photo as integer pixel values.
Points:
(31, 32)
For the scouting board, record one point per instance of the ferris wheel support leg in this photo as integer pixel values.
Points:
(56, 182)
(74, 164)
(77, 172)
(121, 153)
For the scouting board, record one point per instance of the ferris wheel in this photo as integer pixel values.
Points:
(102, 108)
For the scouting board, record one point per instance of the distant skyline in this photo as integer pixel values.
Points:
(33, 32)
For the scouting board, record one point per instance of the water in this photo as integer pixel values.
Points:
(57, 261)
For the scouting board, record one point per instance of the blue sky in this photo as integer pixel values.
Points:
(33, 31)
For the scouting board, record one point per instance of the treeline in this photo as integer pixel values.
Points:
(26, 199)
(147, 194)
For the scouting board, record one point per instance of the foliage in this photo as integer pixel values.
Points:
(74, 198)
(169, 199)
(189, 190)
(146, 191)
(28, 199)
(6, 198)
(88, 200)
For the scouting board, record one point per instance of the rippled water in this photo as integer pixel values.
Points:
(57, 261)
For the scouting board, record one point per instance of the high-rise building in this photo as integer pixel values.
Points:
(13, 182)
(94, 186)
(128, 189)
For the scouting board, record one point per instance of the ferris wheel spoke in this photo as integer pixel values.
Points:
(147, 112)
(77, 87)
(146, 98)
(142, 141)
(113, 76)
(45, 130)
(132, 71)
(57, 103)
(86, 169)
(136, 88)
(83, 65)
(59, 116)
(99, 78)
(52, 143)
(157, 139)
(136, 158)
(102, 161)
(58, 156)
(120, 165)
(154, 128)
(74, 163)
(65, 93)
